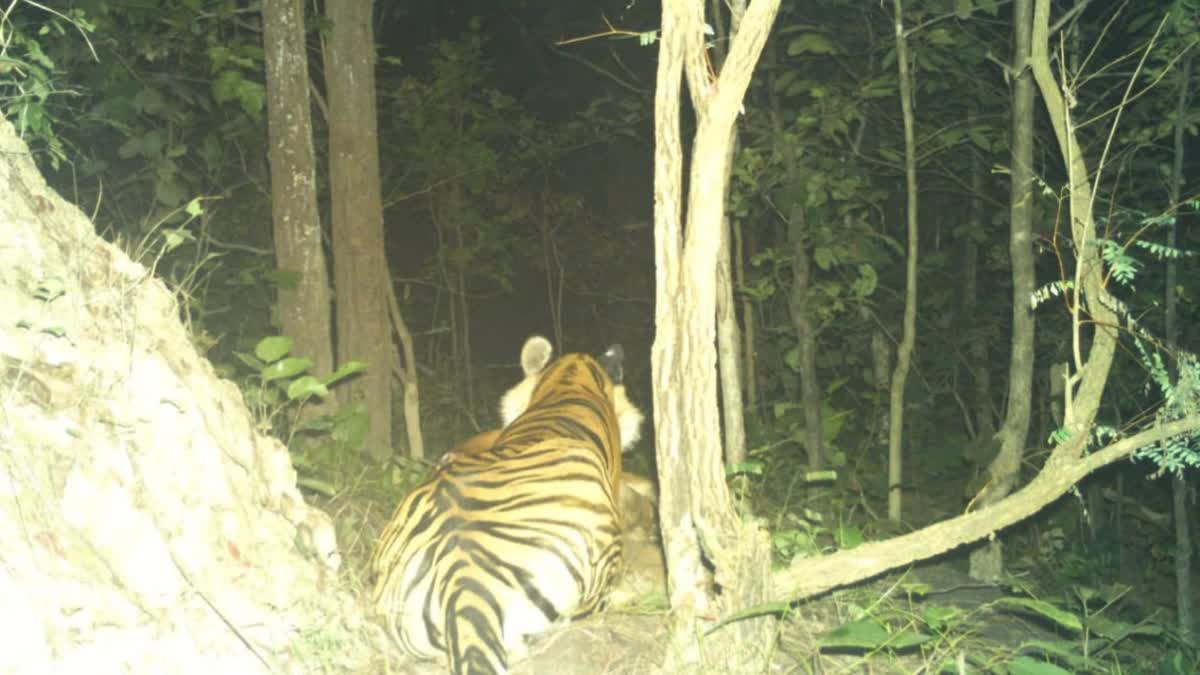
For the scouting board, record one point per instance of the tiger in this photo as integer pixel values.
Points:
(502, 542)
(637, 496)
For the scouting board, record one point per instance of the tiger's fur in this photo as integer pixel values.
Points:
(637, 496)
(502, 542)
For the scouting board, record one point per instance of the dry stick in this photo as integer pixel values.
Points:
(406, 372)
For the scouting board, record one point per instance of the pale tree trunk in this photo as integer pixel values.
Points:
(1179, 489)
(982, 424)
(356, 211)
(696, 511)
(304, 310)
(1089, 377)
(1068, 463)
(908, 339)
(729, 350)
(729, 338)
(987, 562)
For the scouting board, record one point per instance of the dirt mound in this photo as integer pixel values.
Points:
(146, 526)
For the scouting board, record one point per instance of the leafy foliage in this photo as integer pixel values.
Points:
(278, 389)
(1180, 399)
(30, 75)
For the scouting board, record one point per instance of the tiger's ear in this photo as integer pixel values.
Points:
(612, 361)
(535, 354)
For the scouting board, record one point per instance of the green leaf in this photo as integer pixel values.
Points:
(1119, 630)
(1045, 609)
(170, 192)
(347, 369)
(810, 477)
(303, 388)
(1027, 665)
(273, 348)
(891, 155)
(176, 237)
(252, 96)
(849, 536)
(751, 467)
(226, 86)
(824, 257)
(811, 43)
(313, 484)
(870, 635)
(792, 359)
(940, 36)
(940, 618)
(130, 148)
(963, 9)
(760, 291)
(351, 426)
(978, 136)
(285, 368)
(254, 364)
(322, 424)
(781, 408)
(866, 283)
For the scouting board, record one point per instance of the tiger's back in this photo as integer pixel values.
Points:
(501, 543)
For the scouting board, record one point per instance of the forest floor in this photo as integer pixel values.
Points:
(631, 636)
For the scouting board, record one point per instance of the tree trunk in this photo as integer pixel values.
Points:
(1183, 540)
(881, 363)
(904, 351)
(449, 216)
(987, 562)
(749, 364)
(304, 309)
(803, 325)
(729, 346)
(729, 338)
(695, 507)
(982, 422)
(359, 264)
(1091, 374)
(806, 337)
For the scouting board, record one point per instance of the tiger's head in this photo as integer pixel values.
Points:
(535, 356)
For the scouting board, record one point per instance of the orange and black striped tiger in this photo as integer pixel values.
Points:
(500, 543)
